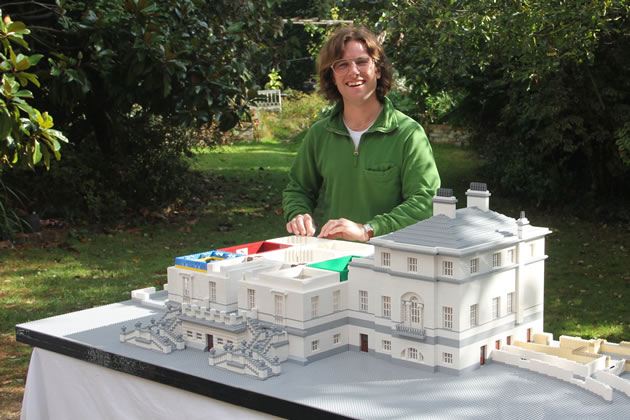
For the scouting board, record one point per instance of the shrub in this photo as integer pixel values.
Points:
(299, 112)
(152, 173)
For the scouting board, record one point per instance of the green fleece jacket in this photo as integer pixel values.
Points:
(389, 182)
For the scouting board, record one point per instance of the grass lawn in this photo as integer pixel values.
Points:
(588, 270)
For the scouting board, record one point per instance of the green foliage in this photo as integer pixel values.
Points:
(85, 186)
(275, 81)
(10, 222)
(294, 57)
(434, 108)
(623, 141)
(544, 84)
(116, 69)
(26, 134)
(404, 101)
(299, 112)
(306, 8)
(196, 62)
(296, 51)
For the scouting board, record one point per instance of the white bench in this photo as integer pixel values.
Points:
(269, 100)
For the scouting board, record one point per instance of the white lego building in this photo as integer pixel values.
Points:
(438, 295)
(446, 291)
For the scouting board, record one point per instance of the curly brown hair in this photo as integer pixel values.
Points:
(333, 50)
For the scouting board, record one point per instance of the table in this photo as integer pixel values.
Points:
(79, 366)
(62, 387)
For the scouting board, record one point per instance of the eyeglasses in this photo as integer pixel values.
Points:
(343, 65)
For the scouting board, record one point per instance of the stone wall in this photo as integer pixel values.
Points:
(439, 133)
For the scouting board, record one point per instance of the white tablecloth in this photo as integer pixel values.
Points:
(61, 387)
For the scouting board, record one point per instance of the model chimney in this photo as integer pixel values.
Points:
(444, 203)
(522, 224)
(478, 196)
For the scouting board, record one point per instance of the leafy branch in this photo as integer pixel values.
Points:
(26, 134)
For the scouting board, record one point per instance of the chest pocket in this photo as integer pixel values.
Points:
(381, 172)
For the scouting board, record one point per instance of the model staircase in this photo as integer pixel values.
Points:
(163, 335)
(251, 357)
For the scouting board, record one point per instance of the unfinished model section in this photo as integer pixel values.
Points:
(594, 365)
(256, 305)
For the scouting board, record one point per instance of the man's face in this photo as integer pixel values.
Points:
(356, 78)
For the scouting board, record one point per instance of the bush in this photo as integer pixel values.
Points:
(115, 70)
(544, 85)
(151, 173)
(299, 112)
(10, 222)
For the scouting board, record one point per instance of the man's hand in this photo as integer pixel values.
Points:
(344, 229)
(301, 225)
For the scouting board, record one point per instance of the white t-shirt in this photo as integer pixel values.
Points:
(356, 135)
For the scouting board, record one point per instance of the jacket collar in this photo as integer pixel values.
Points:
(385, 123)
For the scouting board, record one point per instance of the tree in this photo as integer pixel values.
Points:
(129, 78)
(545, 84)
(26, 134)
(297, 50)
(190, 61)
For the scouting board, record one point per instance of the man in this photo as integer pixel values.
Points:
(370, 167)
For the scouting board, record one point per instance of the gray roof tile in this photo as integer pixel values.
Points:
(471, 227)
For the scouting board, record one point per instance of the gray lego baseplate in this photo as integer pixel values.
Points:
(352, 383)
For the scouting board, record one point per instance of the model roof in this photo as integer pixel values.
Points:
(471, 227)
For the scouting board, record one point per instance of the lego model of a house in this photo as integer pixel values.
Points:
(444, 292)
(438, 295)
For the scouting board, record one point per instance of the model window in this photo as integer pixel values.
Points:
(510, 303)
(213, 291)
(447, 268)
(278, 307)
(510, 254)
(447, 317)
(413, 353)
(199, 336)
(219, 341)
(411, 313)
(496, 307)
(416, 309)
(186, 280)
(447, 358)
(474, 265)
(386, 259)
(189, 334)
(412, 264)
(336, 338)
(387, 306)
(386, 345)
(496, 259)
(251, 298)
(336, 300)
(363, 300)
(315, 345)
(474, 315)
(315, 306)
